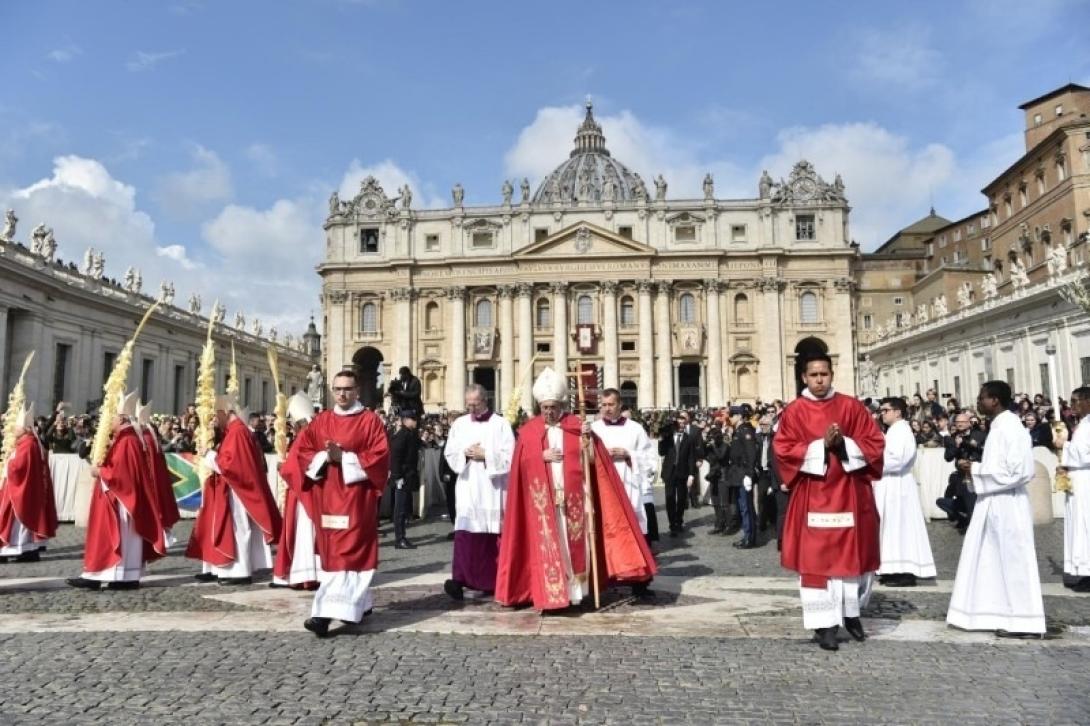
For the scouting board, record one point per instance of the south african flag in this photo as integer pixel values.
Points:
(183, 477)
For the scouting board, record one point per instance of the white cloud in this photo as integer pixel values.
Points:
(65, 54)
(179, 254)
(900, 59)
(264, 158)
(143, 61)
(189, 193)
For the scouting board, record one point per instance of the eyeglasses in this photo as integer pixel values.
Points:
(884, 410)
(346, 389)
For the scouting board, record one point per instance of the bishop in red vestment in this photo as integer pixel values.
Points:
(124, 530)
(345, 455)
(296, 564)
(238, 519)
(28, 514)
(544, 550)
(158, 472)
(828, 451)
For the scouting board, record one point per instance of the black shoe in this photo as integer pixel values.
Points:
(34, 556)
(404, 544)
(718, 528)
(854, 626)
(454, 589)
(904, 579)
(743, 545)
(236, 580)
(275, 584)
(129, 585)
(675, 533)
(1019, 636)
(83, 583)
(962, 526)
(826, 638)
(732, 529)
(450, 536)
(642, 590)
(205, 577)
(1082, 585)
(318, 626)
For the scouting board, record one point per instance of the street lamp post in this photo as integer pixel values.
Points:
(1053, 384)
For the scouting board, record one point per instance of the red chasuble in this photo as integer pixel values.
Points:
(125, 474)
(294, 478)
(242, 471)
(831, 526)
(531, 567)
(164, 490)
(345, 515)
(27, 493)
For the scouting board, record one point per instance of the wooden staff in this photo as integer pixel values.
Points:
(588, 494)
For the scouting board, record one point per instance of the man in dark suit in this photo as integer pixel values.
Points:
(404, 474)
(681, 449)
(405, 392)
(742, 474)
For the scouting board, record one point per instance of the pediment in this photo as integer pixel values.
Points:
(584, 239)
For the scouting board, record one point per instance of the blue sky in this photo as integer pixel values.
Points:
(200, 140)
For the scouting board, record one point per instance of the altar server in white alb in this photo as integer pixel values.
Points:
(1076, 462)
(903, 542)
(997, 586)
(478, 450)
(635, 455)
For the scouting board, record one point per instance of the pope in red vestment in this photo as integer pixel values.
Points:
(124, 530)
(828, 451)
(238, 518)
(28, 514)
(544, 553)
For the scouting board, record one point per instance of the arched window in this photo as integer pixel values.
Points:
(741, 308)
(584, 310)
(544, 318)
(808, 307)
(431, 316)
(369, 318)
(686, 309)
(484, 313)
(431, 387)
(628, 312)
(746, 387)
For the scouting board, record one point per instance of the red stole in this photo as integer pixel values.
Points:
(345, 516)
(820, 547)
(126, 476)
(27, 493)
(164, 490)
(531, 567)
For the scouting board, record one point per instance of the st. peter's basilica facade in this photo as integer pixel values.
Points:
(673, 301)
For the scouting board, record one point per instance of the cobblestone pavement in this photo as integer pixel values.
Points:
(721, 642)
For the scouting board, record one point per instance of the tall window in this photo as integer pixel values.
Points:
(484, 313)
(544, 317)
(179, 382)
(584, 310)
(369, 318)
(808, 307)
(1061, 170)
(804, 227)
(369, 240)
(628, 312)
(60, 372)
(687, 309)
(741, 308)
(431, 316)
(147, 367)
(868, 322)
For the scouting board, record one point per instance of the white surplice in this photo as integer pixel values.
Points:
(637, 471)
(481, 489)
(998, 586)
(1076, 457)
(903, 537)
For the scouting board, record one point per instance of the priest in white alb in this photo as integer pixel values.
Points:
(998, 586)
(902, 535)
(478, 451)
(634, 454)
(1076, 461)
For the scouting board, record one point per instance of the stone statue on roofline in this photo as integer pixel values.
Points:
(10, 220)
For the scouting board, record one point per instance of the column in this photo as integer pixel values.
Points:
(609, 334)
(4, 355)
(526, 344)
(508, 377)
(842, 337)
(456, 384)
(337, 333)
(714, 377)
(664, 356)
(560, 326)
(403, 330)
(646, 384)
(770, 383)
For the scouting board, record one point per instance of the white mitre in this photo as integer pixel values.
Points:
(550, 386)
(26, 418)
(127, 403)
(228, 403)
(300, 407)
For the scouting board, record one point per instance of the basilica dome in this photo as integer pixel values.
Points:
(590, 174)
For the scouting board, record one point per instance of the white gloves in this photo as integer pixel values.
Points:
(747, 483)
